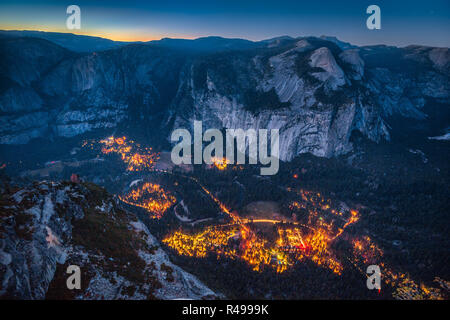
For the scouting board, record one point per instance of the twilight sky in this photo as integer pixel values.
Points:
(403, 22)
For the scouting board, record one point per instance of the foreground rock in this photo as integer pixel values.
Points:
(48, 226)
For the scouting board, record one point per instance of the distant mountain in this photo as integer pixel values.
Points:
(314, 90)
(343, 45)
(206, 44)
(73, 42)
(277, 41)
(280, 38)
(82, 43)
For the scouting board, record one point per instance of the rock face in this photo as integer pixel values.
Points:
(48, 226)
(316, 91)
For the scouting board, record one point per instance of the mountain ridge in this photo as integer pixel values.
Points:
(311, 89)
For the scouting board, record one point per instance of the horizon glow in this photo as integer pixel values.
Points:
(403, 22)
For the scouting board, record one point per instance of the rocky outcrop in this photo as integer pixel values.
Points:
(319, 94)
(331, 73)
(353, 58)
(48, 226)
(311, 103)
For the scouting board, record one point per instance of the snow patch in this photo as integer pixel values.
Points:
(444, 137)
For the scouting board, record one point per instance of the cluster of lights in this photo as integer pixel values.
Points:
(292, 245)
(365, 252)
(407, 289)
(131, 153)
(311, 241)
(151, 197)
(198, 245)
(314, 245)
(220, 163)
(252, 249)
(249, 248)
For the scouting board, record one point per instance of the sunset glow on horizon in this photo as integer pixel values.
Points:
(107, 34)
(404, 22)
(115, 35)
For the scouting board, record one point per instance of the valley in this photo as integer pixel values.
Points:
(285, 228)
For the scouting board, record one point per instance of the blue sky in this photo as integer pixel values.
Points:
(403, 22)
